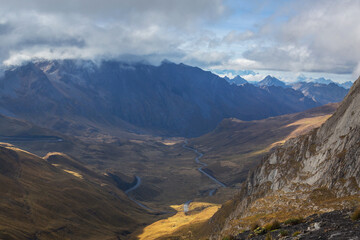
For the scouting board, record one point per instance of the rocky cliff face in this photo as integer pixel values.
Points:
(317, 172)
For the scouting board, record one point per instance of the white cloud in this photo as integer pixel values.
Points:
(111, 28)
(238, 37)
(318, 36)
(301, 35)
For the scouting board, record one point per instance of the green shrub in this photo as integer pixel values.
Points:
(260, 231)
(275, 224)
(284, 233)
(296, 233)
(294, 221)
(356, 215)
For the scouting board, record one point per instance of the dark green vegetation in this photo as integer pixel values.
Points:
(294, 221)
(273, 225)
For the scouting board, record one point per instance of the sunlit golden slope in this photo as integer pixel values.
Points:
(198, 213)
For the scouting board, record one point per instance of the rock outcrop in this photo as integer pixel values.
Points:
(316, 172)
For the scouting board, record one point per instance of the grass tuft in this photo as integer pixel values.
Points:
(275, 224)
(294, 221)
(355, 216)
(260, 231)
(284, 233)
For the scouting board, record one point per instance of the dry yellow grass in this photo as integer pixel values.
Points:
(74, 173)
(198, 212)
(302, 126)
(170, 142)
(4, 144)
(11, 147)
(305, 125)
(49, 154)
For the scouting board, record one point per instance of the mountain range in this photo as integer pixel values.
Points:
(321, 90)
(170, 99)
(322, 80)
(322, 93)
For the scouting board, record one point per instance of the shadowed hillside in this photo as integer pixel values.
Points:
(170, 99)
(42, 200)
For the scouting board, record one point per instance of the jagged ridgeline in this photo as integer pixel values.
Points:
(314, 173)
(170, 99)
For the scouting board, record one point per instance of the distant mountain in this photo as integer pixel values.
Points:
(321, 93)
(322, 81)
(236, 80)
(271, 81)
(346, 85)
(170, 99)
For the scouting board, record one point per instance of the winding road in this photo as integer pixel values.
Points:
(138, 182)
(200, 169)
(187, 204)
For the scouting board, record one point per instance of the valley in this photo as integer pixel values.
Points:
(159, 184)
(176, 183)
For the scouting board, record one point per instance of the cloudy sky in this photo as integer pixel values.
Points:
(285, 38)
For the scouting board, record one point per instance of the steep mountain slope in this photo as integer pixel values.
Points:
(46, 200)
(322, 93)
(170, 99)
(271, 81)
(314, 173)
